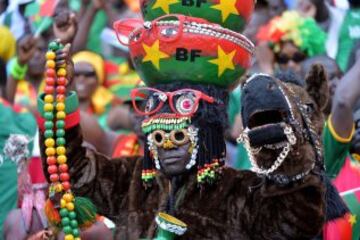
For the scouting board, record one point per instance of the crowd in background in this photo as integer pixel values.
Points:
(290, 36)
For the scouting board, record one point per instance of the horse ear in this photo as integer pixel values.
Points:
(317, 85)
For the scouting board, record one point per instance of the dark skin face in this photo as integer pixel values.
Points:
(173, 161)
(333, 75)
(85, 80)
(290, 51)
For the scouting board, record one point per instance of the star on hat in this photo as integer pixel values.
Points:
(153, 54)
(226, 7)
(224, 61)
(164, 4)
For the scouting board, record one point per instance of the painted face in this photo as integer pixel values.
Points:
(290, 57)
(85, 80)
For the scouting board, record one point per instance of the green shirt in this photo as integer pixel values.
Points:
(12, 121)
(349, 33)
(336, 149)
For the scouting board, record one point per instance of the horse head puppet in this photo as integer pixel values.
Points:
(282, 130)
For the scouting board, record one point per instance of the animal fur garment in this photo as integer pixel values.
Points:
(239, 204)
(233, 208)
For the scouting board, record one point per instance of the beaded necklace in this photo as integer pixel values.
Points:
(55, 148)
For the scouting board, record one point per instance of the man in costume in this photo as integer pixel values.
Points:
(238, 204)
(189, 64)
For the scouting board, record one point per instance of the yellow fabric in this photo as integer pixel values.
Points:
(337, 136)
(25, 93)
(356, 157)
(7, 44)
(102, 96)
(94, 60)
(100, 99)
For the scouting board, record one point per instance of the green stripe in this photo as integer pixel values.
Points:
(71, 103)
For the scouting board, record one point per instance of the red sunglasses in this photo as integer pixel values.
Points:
(130, 31)
(183, 102)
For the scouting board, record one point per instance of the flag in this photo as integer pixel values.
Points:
(347, 227)
(40, 14)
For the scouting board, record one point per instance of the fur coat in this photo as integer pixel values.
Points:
(240, 205)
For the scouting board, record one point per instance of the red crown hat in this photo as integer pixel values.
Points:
(181, 48)
(231, 14)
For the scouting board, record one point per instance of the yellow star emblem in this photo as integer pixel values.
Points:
(224, 61)
(226, 7)
(164, 4)
(153, 54)
(352, 219)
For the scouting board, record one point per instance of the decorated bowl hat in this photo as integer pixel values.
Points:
(231, 14)
(182, 48)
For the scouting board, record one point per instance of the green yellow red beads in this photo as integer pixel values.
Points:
(54, 114)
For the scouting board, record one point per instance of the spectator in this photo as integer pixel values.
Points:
(341, 145)
(349, 33)
(288, 40)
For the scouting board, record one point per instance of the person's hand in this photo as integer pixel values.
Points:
(63, 56)
(26, 48)
(65, 26)
(42, 235)
(265, 58)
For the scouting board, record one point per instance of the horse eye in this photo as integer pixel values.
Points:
(309, 108)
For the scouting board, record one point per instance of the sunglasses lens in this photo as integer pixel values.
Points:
(298, 57)
(179, 137)
(158, 137)
(282, 58)
(185, 102)
(146, 100)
